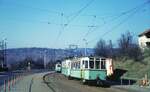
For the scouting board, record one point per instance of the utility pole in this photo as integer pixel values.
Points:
(45, 58)
(85, 48)
(5, 52)
(73, 47)
(3, 56)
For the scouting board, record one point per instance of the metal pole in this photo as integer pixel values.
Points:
(45, 59)
(85, 52)
(121, 81)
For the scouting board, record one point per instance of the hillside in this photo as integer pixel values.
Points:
(135, 70)
(19, 54)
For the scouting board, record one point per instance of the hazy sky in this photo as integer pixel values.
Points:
(58, 23)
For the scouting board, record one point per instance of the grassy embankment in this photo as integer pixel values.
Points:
(135, 69)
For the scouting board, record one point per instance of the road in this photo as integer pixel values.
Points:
(54, 82)
(31, 82)
(11, 74)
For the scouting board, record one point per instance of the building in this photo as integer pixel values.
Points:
(144, 39)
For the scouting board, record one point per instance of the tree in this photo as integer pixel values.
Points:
(110, 49)
(101, 48)
(127, 47)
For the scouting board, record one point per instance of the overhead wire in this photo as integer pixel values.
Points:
(90, 27)
(62, 28)
(78, 13)
(74, 16)
(133, 12)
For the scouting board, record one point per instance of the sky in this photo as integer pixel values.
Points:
(59, 23)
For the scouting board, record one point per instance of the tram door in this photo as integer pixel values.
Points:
(69, 68)
(82, 69)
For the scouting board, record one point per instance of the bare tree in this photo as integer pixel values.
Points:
(127, 47)
(101, 48)
(110, 48)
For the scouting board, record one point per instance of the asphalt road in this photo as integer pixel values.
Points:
(27, 83)
(54, 82)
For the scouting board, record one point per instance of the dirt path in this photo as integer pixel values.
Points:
(61, 84)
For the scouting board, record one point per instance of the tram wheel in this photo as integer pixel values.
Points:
(84, 81)
(69, 78)
(99, 82)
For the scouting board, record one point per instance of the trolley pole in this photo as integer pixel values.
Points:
(85, 48)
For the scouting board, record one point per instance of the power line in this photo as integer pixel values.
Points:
(113, 19)
(89, 30)
(135, 10)
(77, 14)
(122, 14)
(93, 25)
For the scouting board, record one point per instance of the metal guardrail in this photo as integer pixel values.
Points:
(9, 84)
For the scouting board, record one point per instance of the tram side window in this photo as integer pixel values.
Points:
(103, 65)
(75, 65)
(86, 64)
(91, 64)
(79, 64)
(97, 65)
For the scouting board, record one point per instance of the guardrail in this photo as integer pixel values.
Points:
(9, 83)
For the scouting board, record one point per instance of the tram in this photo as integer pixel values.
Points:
(58, 67)
(88, 68)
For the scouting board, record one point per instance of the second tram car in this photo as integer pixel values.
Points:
(58, 67)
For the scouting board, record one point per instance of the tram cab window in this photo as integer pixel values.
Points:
(97, 65)
(91, 64)
(86, 64)
(78, 65)
(103, 64)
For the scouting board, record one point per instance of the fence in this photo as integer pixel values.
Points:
(9, 83)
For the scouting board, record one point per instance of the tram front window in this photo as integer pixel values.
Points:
(91, 64)
(86, 64)
(97, 65)
(103, 65)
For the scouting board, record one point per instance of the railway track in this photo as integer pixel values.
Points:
(47, 82)
(59, 83)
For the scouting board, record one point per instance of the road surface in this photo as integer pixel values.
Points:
(30, 83)
(54, 82)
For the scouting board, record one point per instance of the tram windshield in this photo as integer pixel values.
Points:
(103, 64)
(59, 65)
(86, 64)
(97, 65)
(91, 64)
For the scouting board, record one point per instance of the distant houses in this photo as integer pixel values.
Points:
(144, 39)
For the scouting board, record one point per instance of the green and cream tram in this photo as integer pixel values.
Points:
(58, 67)
(87, 68)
